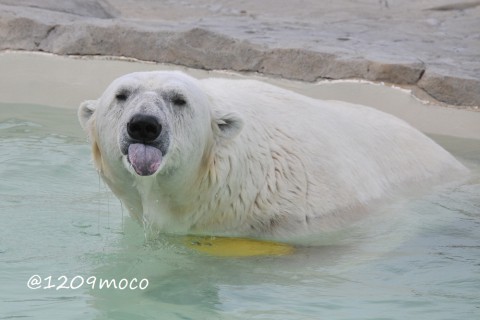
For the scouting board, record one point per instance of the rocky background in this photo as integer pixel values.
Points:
(431, 45)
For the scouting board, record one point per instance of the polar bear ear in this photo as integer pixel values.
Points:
(228, 125)
(85, 112)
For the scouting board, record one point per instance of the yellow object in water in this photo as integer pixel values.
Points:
(237, 247)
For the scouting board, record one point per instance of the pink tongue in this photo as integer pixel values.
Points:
(144, 159)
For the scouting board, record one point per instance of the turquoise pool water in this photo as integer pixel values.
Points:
(419, 258)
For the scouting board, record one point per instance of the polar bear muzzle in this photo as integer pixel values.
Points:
(143, 151)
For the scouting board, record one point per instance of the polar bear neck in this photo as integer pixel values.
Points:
(242, 189)
(157, 213)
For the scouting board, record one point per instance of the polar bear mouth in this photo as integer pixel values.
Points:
(145, 159)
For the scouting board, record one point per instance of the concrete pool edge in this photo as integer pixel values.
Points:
(76, 79)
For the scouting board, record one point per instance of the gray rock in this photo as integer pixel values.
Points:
(310, 65)
(451, 89)
(204, 49)
(397, 72)
(21, 32)
(399, 44)
(87, 8)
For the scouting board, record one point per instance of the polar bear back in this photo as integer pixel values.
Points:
(347, 151)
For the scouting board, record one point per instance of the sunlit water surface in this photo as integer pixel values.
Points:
(419, 258)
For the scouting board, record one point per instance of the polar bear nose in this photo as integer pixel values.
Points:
(144, 128)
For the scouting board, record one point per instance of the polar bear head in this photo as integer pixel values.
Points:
(155, 123)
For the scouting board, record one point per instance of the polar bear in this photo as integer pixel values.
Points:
(245, 158)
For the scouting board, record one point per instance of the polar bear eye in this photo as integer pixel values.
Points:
(178, 100)
(122, 95)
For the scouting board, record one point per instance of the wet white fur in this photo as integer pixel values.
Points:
(251, 159)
